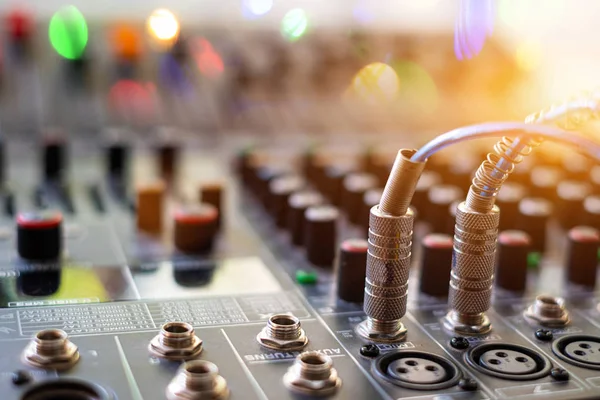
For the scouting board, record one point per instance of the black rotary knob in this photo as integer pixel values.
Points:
(436, 262)
(570, 204)
(353, 189)
(533, 220)
(582, 256)
(420, 200)
(39, 235)
(508, 200)
(544, 181)
(54, 158)
(591, 206)
(320, 234)
(167, 160)
(439, 216)
(511, 260)
(280, 190)
(117, 159)
(298, 203)
(351, 270)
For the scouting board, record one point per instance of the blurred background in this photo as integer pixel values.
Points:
(276, 66)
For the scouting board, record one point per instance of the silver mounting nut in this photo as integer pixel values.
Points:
(547, 311)
(197, 380)
(176, 341)
(382, 331)
(282, 332)
(465, 324)
(51, 349)
(312, 374)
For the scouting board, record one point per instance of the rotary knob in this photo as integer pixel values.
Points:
(39, 235)
(195, 228)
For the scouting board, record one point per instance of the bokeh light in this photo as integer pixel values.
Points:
(68, 32)
(256, 8)
(375, 83)
(163, 25)
(294, 24)
(126, 41)
(175, 77)
(418, 89)
(132, 98)
(19, 23)
(207, 58)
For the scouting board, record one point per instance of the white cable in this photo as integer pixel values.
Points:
(498, 129)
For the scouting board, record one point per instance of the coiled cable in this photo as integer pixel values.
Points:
(497, 167)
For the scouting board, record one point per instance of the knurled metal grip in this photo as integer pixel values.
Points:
(472, 275)
(388, 266)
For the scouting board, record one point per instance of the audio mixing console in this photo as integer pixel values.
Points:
(146, 253)
(255, 301)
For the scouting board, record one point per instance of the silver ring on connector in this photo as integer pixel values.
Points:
(381, 331)
(461, 324)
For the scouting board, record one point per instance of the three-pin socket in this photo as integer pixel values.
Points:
(67, 389)
(580, 350)
(417, 370)
(508, 361)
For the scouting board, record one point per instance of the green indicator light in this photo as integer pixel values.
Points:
(294, 24)
(68, 32)
(306, 277)
(534, 259)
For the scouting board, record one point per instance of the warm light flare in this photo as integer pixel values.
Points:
(528, 55)
(163, 25)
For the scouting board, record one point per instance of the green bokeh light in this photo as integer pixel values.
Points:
(68, 32)
(417, 88)
(294, 24)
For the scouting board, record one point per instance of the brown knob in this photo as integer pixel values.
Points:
(212, 193)
(150, 199)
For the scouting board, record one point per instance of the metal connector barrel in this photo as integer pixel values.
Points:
(472, 273)
(389, 253)
(401, 184)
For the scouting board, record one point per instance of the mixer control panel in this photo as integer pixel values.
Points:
(167, 232)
